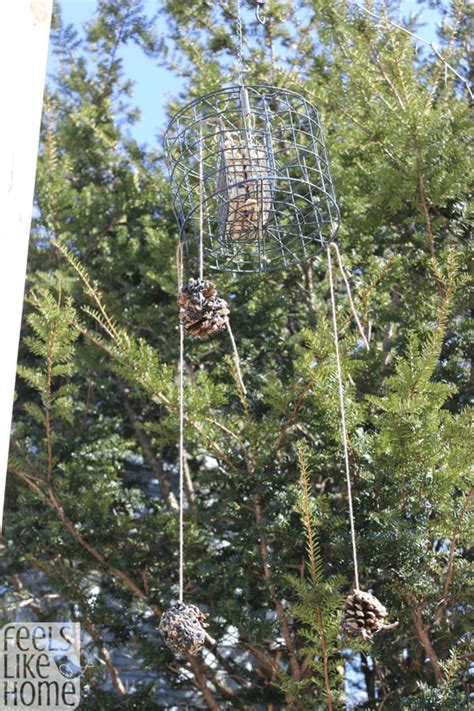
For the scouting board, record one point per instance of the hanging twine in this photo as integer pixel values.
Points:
(345, 441)
(201, 206)
(180, 278)
(238, 370)
(334, 246)
(180, 274)
(201, 260)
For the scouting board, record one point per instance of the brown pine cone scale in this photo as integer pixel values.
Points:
(201, 311)
(363, 615)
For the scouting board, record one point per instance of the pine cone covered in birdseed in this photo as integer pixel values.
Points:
(183, 629)
(201, 311)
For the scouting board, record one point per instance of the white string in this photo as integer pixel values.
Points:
(201, 207)
(349, 294)
(343, 419)
(201, 259)
(236, 357)
(179, 269)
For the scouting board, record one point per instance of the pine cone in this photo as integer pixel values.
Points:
(363, 615)
(201, 311)
(183, 629)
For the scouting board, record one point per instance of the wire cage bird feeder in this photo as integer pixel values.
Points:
(252, 185)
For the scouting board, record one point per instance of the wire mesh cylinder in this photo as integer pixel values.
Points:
(250, 173)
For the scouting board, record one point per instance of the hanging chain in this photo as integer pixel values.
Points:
(240, 43)
(260, 5)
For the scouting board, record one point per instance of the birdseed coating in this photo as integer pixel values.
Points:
(183, 629)
(201, 311)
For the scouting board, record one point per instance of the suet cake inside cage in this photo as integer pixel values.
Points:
(251, 179)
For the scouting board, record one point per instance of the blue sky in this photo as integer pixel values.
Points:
(155, 85)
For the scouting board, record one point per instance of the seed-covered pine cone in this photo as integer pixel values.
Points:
(183, 629)
(201, 311)
(363, 615)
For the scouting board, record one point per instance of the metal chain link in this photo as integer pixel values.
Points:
(260, 5)
(240, 45)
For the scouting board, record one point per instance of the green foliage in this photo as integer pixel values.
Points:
(91, 525)
(318, 607)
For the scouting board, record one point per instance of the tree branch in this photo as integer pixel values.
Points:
(155, 466)
(161, 397)
(200, 669)
(426, 214)
(452, 546)
(51, 499)
(284, 626)
(422, 632)
(291, 418)
(104, 653)
(307, 289)
(417, 38)
(388, 333)
(188, 485)
(324, 655)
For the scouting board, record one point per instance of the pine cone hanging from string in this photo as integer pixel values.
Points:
(183, 629)
(201, 311)
(363, 615)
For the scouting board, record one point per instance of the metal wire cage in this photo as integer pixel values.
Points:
(252, 185)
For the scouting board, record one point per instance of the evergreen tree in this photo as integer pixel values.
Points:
(91, 524)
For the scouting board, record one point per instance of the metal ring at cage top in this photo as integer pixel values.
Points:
(251, 162)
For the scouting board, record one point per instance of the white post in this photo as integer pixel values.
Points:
(24, 35)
